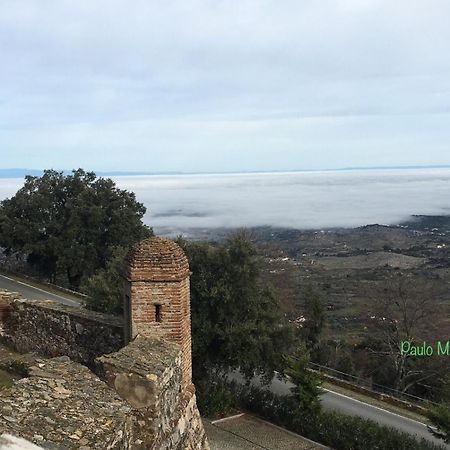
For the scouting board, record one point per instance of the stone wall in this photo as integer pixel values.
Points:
(148, 375)
(6, 298)
(9, 442)
(52, 329)
(62, 404)
(148, 401)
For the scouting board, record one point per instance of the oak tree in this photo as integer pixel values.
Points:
(67, 224)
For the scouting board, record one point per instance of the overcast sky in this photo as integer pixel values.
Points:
(224, 85)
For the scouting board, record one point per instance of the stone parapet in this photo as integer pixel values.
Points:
(148, 400)
(142, 406)
(148, 375)
(52, 329)
(62, 404)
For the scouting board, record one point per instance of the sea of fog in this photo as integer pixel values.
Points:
(177, 203)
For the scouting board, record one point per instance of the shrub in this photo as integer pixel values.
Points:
(338, 431)
(216, 399)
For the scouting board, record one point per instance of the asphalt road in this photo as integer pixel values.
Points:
(33, 293)
(341, 403)
(347, 405)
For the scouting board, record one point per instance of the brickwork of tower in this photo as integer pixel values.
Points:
(156, 296)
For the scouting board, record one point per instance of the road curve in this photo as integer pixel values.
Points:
(33, 293)
(346, 405)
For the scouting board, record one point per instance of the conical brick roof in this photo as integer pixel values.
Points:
(156, 259)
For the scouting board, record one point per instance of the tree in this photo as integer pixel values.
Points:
(307, 384)
(314, 315)
(236, 321)
(105, 288)
(404, 310)
(440, 418)
(67, 224)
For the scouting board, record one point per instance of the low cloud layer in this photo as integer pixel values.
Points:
(297, 200)
(300, 200)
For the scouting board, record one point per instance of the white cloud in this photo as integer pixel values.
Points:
(297, 200)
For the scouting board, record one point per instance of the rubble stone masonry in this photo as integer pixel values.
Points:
(141, 396)
(6, 298)
(52, 329)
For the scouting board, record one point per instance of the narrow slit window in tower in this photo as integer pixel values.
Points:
(157, 313)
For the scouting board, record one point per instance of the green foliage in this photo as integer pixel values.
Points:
(281, 410)
(105, 288)
(343, 432)
(440, 418)
(314, 314)
(335, 430)
(216, 398)
(235, 320)
(345, 363)
(307, 384)
(68, 223)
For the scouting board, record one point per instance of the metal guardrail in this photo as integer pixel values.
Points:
(374, 387)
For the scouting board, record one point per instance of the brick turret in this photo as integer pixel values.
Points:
(156, 296)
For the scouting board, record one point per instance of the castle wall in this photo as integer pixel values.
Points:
(63, 405)
(142, 405)
(148, 375)
(142, 393)
(6, 298)
(52, 329)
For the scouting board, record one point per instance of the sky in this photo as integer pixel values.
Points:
(224, 85)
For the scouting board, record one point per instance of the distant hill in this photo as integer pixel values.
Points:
(19, 173)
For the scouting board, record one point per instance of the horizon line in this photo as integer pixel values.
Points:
(24, 171)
